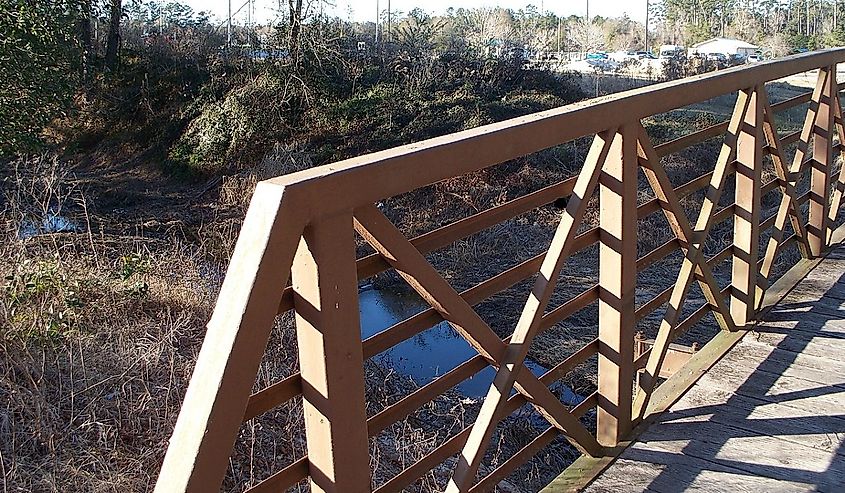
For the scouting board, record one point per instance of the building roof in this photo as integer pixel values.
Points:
(733, 42)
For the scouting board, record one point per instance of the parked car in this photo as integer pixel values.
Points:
(624, 56)
(645, 55)
(668, 52)
(602, 64)
(754, 57)
(736, 59)
(599, 55)
(717, 57)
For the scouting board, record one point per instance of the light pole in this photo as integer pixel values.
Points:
(587, 41)
(377, 19)
(558, 36)
(646, 25)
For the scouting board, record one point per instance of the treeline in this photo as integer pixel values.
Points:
(78, 64)
(58, 56)
(78, 71)
(779, 26)
(165, 83)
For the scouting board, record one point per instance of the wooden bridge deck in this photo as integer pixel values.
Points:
(770, 416)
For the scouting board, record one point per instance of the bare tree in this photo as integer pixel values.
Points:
(483, 25)
(113, 40)
(86, 41)
(295, 9)
(588, 36)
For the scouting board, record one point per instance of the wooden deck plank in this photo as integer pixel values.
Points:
(822, 370)
(818, 284)
(804, 317)
(832, 305)
(763, 456)
(822, 345)
(645, 469)
(756, 417)
(627, 475)
(690, 473)
(793, 309)
(769, 416)
(790, 391)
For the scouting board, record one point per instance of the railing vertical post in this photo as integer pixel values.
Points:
(749, 165)
(821, 164)
(617, 283)
(839, 186)
(331, 357)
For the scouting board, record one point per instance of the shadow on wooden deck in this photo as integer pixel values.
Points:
(770, 416)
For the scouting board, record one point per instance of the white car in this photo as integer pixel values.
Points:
(755, 57)
(623, 56)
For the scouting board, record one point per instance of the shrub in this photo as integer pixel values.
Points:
(39, 60)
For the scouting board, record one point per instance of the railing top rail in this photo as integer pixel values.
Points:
(373, 177)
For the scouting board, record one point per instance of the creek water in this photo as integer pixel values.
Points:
(52, 223)
(433, 352)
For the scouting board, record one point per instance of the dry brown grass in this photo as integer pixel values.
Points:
(101, 331)
(99, 336)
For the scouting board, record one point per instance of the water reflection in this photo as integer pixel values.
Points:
(433, 352)
(52, 223)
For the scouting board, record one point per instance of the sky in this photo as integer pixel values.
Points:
(364, 10)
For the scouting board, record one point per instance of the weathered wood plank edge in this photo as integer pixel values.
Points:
(586, 469)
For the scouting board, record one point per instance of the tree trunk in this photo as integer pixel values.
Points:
(295, 28)
(113, 41)
(86, 42)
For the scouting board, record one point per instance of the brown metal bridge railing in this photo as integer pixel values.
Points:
(293, 233)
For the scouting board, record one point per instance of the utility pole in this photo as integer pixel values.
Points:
(558, 36)
(387, 31)
(646, 26)
(587, 42)
(229, 28)
(377, 21)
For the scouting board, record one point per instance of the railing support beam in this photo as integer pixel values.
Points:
(838, 187)
(749, 164)
(617, 283)
(821, 163)
(331, 362)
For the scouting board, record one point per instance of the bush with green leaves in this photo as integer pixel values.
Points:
(405, 97)
(39, 66)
